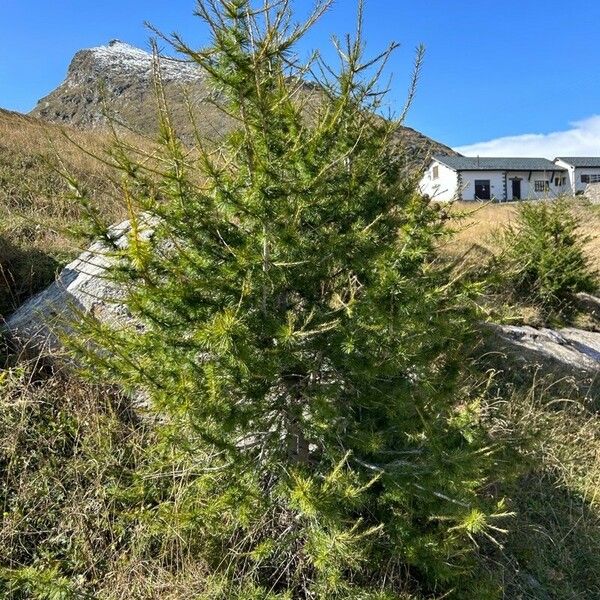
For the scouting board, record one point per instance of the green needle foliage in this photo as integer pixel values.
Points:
(543, 260)
(298, 333)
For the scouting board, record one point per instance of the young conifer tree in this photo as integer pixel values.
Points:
(298, 331)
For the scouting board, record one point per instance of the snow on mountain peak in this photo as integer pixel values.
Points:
(126, 59)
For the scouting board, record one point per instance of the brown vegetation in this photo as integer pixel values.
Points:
(37, 212)
(72, 449)
(481, 221)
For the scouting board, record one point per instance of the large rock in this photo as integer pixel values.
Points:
(570, 354)
(572, 347)
(82, 287)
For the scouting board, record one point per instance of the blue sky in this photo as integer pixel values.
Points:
(493, 69)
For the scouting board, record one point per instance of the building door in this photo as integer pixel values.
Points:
(482, 189)
(516, 189)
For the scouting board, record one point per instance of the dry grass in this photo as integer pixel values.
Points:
(29, 164)
(69, 452)
(36, 210)
(79, 481)
(481, 221)
(78, 512)
(553, 549)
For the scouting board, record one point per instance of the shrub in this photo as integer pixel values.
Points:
(543, 260)
(298, 333)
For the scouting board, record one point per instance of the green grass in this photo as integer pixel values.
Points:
(92, 505)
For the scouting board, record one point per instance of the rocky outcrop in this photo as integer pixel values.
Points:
(568, 359)
(82, 287)
(117, 80)
(575, 350)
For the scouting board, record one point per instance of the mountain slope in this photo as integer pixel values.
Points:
(117, 79)
(35, 208)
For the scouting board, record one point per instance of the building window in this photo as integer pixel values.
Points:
(558, 181)
(590, 178)
(435, 172)
(483, 189)
(541, 185)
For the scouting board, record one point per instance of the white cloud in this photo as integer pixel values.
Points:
(582, 139)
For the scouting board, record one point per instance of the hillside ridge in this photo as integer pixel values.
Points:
(118, 79)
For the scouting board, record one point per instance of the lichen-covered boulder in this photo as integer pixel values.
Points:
(82, 287)
(522, 352)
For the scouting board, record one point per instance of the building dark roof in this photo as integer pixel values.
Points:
(485, 163)
(581, 161)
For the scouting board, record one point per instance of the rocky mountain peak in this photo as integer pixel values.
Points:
(120, 59)
(118, 78)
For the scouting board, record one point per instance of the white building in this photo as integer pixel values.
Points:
(501, 179)
(582, 170)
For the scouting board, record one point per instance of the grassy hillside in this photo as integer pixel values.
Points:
(36, 212)
(91, 505)
(482, 220)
